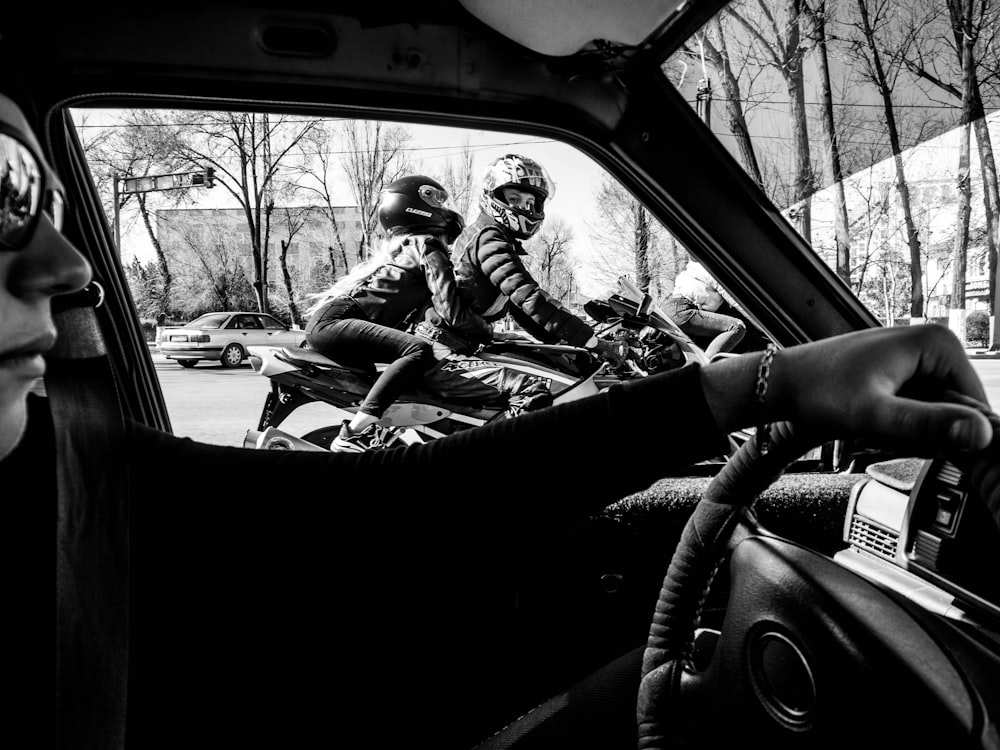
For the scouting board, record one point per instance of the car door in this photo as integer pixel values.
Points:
(251, 332)
(276, 333)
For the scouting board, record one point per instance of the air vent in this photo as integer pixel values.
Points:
(871, 538)
(297, 39)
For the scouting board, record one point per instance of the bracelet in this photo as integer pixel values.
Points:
(763, 434)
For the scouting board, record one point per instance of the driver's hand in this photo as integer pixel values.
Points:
(614, 352)
(887, 384)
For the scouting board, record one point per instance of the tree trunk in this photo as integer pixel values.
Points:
(991, 204)
(803, 165)
(912, 238)
(792, 72)
(734, 108)
(293, 309)
(161, 259)
(641, 224)
(834, 173)
(960, 249)
(956, 310)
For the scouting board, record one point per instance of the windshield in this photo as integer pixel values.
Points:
(871, 126)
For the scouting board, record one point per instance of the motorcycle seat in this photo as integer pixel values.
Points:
(313, 357)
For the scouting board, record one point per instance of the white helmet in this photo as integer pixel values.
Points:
(522, 173)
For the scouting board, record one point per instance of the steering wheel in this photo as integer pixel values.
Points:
(809, 654)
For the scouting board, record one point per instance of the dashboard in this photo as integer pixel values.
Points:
(915, 526)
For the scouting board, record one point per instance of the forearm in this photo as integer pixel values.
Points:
(726, 378)
(554, 462)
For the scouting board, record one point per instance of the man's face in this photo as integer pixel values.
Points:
(43, 265)
(521, 199)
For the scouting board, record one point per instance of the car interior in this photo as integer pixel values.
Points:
(850, 597)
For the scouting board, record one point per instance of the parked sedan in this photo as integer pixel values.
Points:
(225, 336)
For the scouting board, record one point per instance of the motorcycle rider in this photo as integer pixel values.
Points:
(697, 304)
(487, 257)
(359, 320)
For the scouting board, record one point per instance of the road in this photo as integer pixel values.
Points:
(216, 405)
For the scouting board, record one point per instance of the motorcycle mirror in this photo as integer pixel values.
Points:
(647, 302)
(599, 310)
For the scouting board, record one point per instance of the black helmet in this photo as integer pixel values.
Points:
(417, 204)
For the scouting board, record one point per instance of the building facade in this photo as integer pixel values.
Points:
(199, 237)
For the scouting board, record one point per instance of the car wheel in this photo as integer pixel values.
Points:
(187, 362)
(232, 355)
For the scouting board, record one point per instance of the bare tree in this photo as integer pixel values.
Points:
(873, 20)
(712, 47)
(968, 32)
(254, 155)
(374, 155)
(144, 143)
(779, 39)
(291, 221)
(815, 17)
(457, 178)
(317, 182)
(550, 259)
(213, 274)
(631, 242)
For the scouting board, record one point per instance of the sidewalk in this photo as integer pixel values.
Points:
(979, 353)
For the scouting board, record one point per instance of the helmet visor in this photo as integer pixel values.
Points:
(433, 196)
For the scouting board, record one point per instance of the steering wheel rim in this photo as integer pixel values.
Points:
(703, 545)
(847, 641)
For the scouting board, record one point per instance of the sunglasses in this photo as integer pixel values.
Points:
(23, 193)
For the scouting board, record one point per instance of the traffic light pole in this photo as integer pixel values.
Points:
(118, 212)
(150, 183)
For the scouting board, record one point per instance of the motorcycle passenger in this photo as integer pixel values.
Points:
(695, 306)
(358, 321)
(487, 257)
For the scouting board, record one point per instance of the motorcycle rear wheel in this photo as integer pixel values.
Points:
(322, 436)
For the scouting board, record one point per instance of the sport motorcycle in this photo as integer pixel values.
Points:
(457, 395)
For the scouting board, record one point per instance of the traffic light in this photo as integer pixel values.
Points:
(203, 179)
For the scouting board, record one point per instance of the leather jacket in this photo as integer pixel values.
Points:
(492, 277)
(418, 275)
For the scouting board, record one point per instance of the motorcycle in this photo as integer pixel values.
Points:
(454, 396)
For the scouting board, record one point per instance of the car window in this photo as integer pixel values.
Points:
(200, 232)
(266, 321)
(849, 116)
(595, 231)
(209, 321)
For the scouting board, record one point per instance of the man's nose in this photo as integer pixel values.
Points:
(49, 264)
